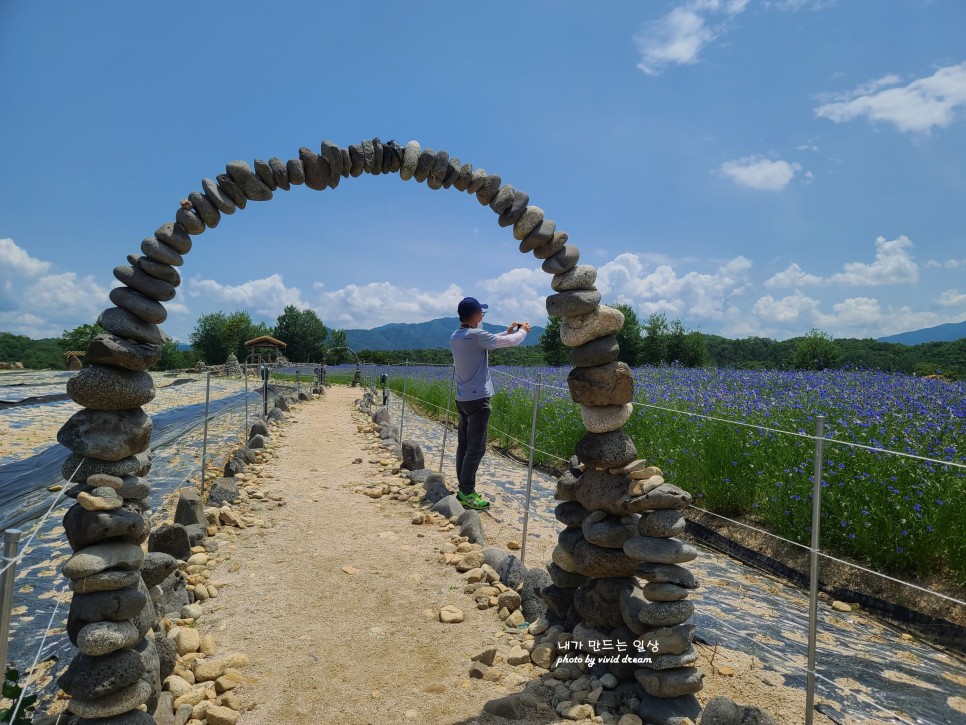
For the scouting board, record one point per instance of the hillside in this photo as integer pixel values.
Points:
(940, 333)
(419, 335)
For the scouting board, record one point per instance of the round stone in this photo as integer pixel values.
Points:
(251, 186)
(99, 557)
(607, 384)
(608, 530)
(477, 179)
(378, 153)
(452, 172)
(151, 311)
(175, 236)
(279, 173)
(518, 205)
(368, 155)
(606, 450)
(563, 261)
(107, 434)
(598, 601)
(296, 172)
(583, 276)
(117, 703)
(108, 388)
(462, 182)
(78, 468)
(164, 272)
(577, 302)
(92, 677)
(529, 220)
(666, 523)
(599, 561)
(503, 199)
(410, 158)
(156, 567)
(605, 321)
(437, 172)
(563, 558)
(138, 279)
(671, 683)
(488, 189)
(112, 350)
(664, 592)
(116, 605)
(205, 209)
(600, 351)
(161, 252)
(570, 513)
(563, 578)
(105, 581)
(605, 418)
(316, 169)
(658, 550)
(424, 164)
(217, 197)
(558, 242)
(264, 173)
(538, 236)
(665, 496)
(85, 528)
(333, 155)
(129, 326)
(191, 222)
(230, 189)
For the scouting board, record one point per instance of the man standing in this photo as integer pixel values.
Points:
(474, 388)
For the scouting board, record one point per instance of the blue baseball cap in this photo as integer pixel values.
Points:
(469, 305)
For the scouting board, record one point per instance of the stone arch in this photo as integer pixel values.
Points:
(619, 526)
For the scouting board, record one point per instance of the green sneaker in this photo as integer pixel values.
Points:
(473, 500)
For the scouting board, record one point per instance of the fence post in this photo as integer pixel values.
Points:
(11, 544)
(402, 415)
(245, 433)
(298, 382)
(533, 442)
(813, 565)
(263, 371)
(449, 401)
(204, 440)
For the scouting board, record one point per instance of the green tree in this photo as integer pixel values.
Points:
(338, 349)
(554, 351)
(656, 331)
(218, 334)
(172, 358)
(816, 351)
(685, 347)
(79, 338)
(303, 333)
(629, 337)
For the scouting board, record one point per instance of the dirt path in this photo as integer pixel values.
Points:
(328, 646)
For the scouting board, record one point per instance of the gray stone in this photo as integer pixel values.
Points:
(280, 173)
(152, 669)
(511, 571)
(132, 717)
(412, 456)
(174, 596)
(463, 180)
(670, 573)
(665, 614)
(316, 169)
(148, 310)
(164, 272)
(563, 261)
(438, 171)
(108, 388)
(223, 490)
(581, 329)
(666, 523)
(598, 561)
(196, 534)
(566, 487)
(577, 302)
(148, 616)
(157, 567)
(664, 592)
(230, 189)
(118, 703)
(233, 467)
(171, 539)
(167, 656)
(583, 276)
(377, 157)
(346, 163)
(189, 509)
(570, 537)
(471, 526)
(106, 349)
(488, 189)
(368, 156)
(105, 581)
(565, 579)
(116, 605)
(598, 601)
(175, 236)
(608, 384)
(557, 242)
(257, 441)
(251, 186)
(452, 172)
(137, 278)
(77, 468)
(357, 160)
(161, 252)
(514, 211)
(258, 428)
(508, 707)
(85, 528)
(435, 489)
(657, 550)
(203, 208)
(264, 173)
(538, 236)
(127, 325)
(529, 220)
(609, 531)
(100, 557)
(722, 710)
(563, 557)
(670, 662)
(296, 172)
(503, 199)
(605, 418)
(448, 506)
(606, 450)
(665, 496)
(219, 199)
(671, 683)
(477, 179)
(333, 155)
(668, 711)
(191, 222)
(410, 158)
(570, 513)
(109, 435)
(282, 404)
(92, 677)
(134, 488)
(535, 580)
(101, 638)
(495, 556)
(424, 164)
(559, 600)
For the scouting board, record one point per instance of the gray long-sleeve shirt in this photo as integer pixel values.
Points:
(471, 356)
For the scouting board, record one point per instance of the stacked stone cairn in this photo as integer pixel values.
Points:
(620, 527)
(232, 366)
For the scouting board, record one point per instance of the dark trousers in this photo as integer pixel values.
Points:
(471, 440)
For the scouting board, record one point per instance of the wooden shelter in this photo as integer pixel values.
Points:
(72, 359)
(264, 349)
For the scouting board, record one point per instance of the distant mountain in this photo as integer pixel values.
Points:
(419, 335)
(940, 333)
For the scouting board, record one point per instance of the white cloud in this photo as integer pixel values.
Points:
(796, 5)
(893, 265)
(15, 261)
(919, 106)
(952, 298)
(785, 310)
(678, 37)
(518, 295)
(266, 296)
(378, 303)
(756, 172)
(793, 276)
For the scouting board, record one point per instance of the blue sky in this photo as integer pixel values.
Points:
(750, 166)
